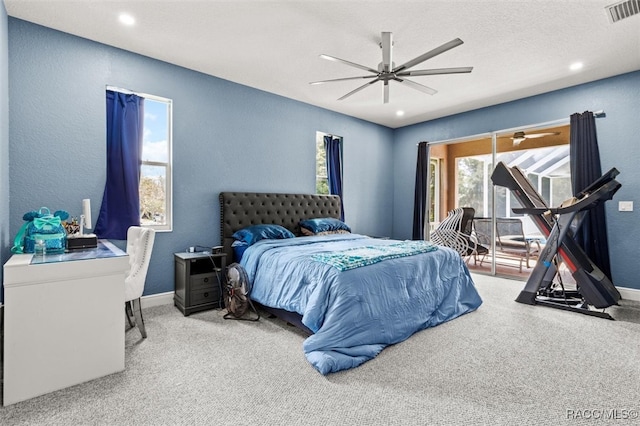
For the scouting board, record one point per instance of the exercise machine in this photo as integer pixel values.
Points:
(559, 225)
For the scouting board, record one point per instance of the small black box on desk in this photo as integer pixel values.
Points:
(81, 242)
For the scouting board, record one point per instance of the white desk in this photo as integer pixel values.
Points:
(63, 319)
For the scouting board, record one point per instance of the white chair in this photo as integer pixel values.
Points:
(139, 247)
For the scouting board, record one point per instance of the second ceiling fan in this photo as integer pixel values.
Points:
(387, 71)
(519, 137)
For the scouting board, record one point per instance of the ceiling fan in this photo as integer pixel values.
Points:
(387, 71)
(519, 137)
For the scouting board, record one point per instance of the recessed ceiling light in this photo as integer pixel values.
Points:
(399, 113)
(126, 19)
(576, 66)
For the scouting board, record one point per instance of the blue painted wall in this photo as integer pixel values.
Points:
(225, 137)
(5, 236)
(232, 137)
(618, 140)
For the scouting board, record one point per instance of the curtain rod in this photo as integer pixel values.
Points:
(596, 114)
(333, 136)
(142, 95)
(126, 91)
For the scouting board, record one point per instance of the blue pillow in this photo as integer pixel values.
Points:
(323, 225)
(254, 233)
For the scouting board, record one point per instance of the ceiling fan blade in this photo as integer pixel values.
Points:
(351, 64)
(359, 89)
(436, 71)
(417, 86)
(430, 54)
(343, 79)
(387, 43)
(385, 92)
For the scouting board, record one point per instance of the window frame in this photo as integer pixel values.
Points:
(168, 226)
(435, 167)
(319, 143)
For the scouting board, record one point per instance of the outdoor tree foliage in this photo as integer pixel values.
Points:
(471, 183)
(322, 183)
(152, 199)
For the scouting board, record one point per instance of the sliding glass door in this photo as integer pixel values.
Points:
(463, 179)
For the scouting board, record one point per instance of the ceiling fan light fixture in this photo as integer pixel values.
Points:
(518, 138)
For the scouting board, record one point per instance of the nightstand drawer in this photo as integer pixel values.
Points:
(202, 281)
(206, 295)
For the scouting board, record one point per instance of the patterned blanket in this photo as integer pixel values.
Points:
(356, 257)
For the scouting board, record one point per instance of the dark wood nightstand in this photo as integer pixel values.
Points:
(199, 279)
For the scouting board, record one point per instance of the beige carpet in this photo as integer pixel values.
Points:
(504, 364)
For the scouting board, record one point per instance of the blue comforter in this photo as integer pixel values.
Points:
(356, 313)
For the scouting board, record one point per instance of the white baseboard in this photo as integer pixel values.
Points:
(629, 293)
(157, 299)
(167, 298)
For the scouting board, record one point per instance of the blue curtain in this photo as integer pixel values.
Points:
(420, 195)
(120, 207)
(585, 169)
(333, 149)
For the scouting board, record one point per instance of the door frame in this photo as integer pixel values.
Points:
(493, 135)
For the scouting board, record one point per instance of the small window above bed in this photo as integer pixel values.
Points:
(322, 180)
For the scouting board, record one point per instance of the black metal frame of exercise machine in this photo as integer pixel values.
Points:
(559, 225)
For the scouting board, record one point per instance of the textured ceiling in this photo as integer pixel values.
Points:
(517, 48)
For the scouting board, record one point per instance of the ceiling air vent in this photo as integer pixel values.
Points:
(622, 10)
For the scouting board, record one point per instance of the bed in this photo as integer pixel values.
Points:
(354, 295)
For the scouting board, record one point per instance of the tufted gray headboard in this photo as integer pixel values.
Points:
(241, 209)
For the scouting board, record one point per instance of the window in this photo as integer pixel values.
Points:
(329, 166)
(472, 183)
(434, 190)
(322, 180)
(155, 188)
(155, 172)
(546, 168)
